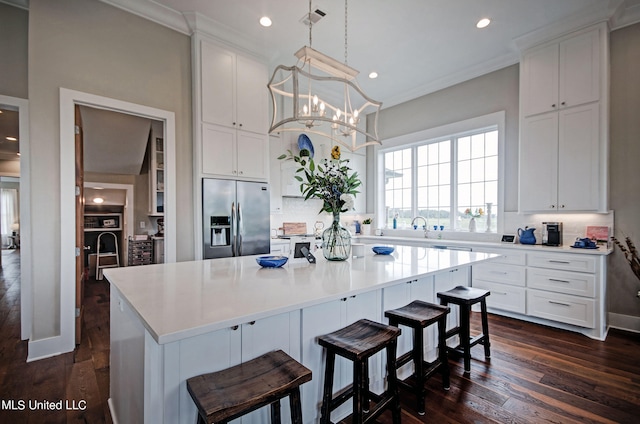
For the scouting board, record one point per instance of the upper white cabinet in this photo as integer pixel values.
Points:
(564, 124)
(234, 92)
(228, 152)
(561, 74)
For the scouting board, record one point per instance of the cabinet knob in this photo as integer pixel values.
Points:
(563, 103)
(233, 123)
(240, 124)
(553, 206)
(240, 172)
(235, 172)
(562, 206)
(553, 105)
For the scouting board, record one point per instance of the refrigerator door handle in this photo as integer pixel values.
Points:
(233, 229)
(239, 230)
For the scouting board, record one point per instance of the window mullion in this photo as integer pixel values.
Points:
(454, 183)
(414, 181)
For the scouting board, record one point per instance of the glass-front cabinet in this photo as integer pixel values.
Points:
(156, 189)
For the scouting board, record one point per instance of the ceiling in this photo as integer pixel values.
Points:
(9, 128)
(416, 46)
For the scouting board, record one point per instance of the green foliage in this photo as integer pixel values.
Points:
(328, 180)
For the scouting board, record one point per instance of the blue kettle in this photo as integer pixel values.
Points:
(526, 235)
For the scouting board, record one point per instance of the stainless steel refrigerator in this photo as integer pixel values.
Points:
(235, 218)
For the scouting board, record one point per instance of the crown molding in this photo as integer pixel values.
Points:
(150, 10)
(21, 4)
(625, 17)
(599, 12)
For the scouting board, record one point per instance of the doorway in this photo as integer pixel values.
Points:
(68, 100)
(22, 172)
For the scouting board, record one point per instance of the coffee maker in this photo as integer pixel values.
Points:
(552, 233)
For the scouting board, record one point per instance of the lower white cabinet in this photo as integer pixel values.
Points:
(326, 318)
(560, 289)
(230, 346)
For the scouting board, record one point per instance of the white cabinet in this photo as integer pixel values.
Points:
(275, 180)
(564, 125)
(234, 153)
(560, 160)
(228, 347)
(156, 177)
(231, 110)
(561, 74)
(505, 278)
(326, 318)
(233, 88)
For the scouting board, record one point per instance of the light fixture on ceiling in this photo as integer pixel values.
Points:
(483, 23)
(265, 21)
(329, 103)
(373, 75)
(98, 200)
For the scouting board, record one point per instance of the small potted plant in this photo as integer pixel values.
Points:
(365, 227)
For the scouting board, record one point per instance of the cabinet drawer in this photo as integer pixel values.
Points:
(506, 257)
(573, 310)
(505, 274)
(562, 282)
(503, 296)
(566, 262)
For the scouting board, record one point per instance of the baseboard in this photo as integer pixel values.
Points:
(624, 322)
(44, 348)
(114, 418)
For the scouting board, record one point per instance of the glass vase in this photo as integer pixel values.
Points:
(336, 241)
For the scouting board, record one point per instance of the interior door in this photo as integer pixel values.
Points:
(79, 152)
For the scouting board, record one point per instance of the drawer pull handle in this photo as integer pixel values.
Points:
(558, 303)
(559, 262)
(555, 280)
(502, 293)
(499, 272)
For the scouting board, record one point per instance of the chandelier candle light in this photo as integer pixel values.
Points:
(325, 104)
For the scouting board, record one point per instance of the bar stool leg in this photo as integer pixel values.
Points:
(275, 413)
(465, 337)
(325, 415)
(296, 406)
(358, 376)
(418, 361)
(442, 352)
(485, 329)
(365, 386)
(392, 381)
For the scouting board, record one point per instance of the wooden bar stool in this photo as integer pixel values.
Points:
(358, 342)
(228, 394)
(465, 297)
(419, 315)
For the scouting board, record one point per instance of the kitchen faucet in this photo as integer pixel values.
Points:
(424, 227)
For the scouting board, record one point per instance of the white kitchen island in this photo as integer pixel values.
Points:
(170, 322)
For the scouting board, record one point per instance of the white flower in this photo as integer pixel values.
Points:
(348, 200)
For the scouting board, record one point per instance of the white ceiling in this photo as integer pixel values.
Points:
(416, 46)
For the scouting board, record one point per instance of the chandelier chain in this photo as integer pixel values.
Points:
(345, 33)
(310, 24)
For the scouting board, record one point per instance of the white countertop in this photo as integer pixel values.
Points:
(184, 299)
(479, 245)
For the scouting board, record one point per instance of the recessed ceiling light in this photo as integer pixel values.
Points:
(483, 23)
(373, 75)
(265, 21)
(98, 200)
(12, 139)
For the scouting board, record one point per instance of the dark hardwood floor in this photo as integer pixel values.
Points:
(536, 374)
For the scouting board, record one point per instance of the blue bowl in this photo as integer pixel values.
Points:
(272, 261)
(383, 250)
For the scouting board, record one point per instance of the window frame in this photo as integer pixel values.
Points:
(458, 129)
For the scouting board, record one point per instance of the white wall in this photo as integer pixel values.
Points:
(88, 46)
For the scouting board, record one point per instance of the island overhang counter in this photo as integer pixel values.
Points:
(172, 321)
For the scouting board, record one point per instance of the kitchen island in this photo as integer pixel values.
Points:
(170, 322)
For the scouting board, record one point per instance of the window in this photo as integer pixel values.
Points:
(447, 180)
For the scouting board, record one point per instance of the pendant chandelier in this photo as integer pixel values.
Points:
(320, 95)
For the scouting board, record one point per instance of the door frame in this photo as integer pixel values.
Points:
(26, 284)
(68, 99)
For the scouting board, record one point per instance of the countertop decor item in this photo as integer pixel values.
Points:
(472, 222)
(526, 236)
(382, 250)
(333, 182)
(272, 261)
